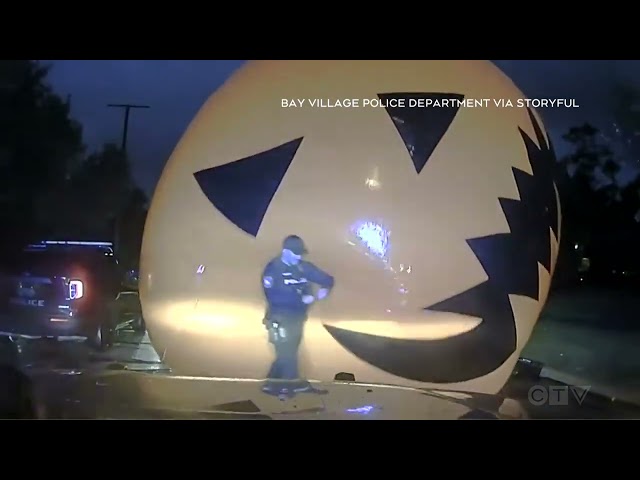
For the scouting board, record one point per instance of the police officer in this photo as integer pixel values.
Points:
(288, 283)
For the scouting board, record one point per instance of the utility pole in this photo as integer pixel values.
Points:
(127, 109)
(123, 148)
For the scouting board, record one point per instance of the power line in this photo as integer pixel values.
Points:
(127, 108)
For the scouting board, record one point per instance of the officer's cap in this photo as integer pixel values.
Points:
(295, 244)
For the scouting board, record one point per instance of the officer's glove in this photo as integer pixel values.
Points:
(308, 299)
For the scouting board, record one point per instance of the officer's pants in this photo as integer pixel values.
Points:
(286, 338)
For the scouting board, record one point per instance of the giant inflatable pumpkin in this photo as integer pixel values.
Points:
(439, 222)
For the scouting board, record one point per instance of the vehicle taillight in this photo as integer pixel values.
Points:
(76, 289)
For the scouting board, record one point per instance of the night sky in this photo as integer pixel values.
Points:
(176, 89)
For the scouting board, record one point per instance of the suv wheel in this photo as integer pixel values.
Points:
(138, 325)
(103, 338)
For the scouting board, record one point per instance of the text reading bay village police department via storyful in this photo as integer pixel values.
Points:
(429, 102)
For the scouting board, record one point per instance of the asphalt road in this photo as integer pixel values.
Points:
(132, 351)
(543, 398)
(590, 337)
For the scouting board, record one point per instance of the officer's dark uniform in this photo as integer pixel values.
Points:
(284, 286)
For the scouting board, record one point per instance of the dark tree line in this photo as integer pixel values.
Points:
(50, 186)
(601, 213)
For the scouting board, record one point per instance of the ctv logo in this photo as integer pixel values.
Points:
(556, 395)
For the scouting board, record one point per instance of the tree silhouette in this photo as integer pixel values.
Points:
(131, 227)
(597, 210)
(39, 143)
(48, 186)
(625, 128)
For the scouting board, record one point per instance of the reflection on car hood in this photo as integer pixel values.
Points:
(120, 395)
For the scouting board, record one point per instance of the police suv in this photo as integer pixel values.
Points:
(60, 289)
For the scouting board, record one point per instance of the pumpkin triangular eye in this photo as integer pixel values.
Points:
(242, 190)
(422, 127)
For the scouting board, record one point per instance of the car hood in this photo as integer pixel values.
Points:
(126, 395)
